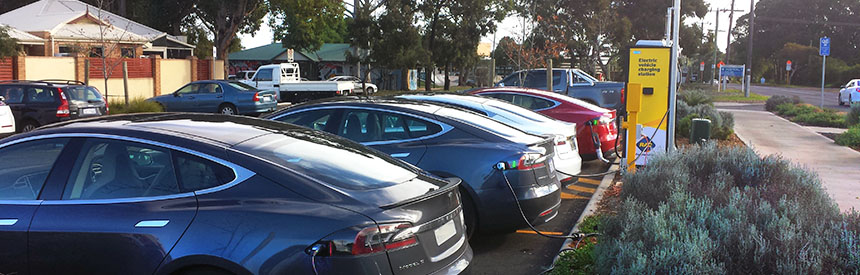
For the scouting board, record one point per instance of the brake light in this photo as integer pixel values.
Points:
(63, 110)
(257, 97)
(530, 161)
(561, 142)
(623, 95)
(369, 240)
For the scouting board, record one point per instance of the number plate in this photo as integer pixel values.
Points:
(445, 232)
(551, 166)
(89, 111)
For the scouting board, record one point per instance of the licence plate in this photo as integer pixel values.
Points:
(89, 111)
(445, 232)
(551, 167)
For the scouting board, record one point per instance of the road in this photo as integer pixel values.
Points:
(525, 252)
(807, 95)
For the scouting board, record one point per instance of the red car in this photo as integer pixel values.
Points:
(568, 109)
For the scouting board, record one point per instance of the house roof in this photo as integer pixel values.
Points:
(23, 37)
(333, 52)
(53, 15)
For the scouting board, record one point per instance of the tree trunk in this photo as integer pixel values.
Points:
(404, 79)
(428, 78)
(447, 79)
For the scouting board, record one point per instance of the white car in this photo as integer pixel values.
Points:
(566, 159)
(850, 93)
(7, 120)
(370, 87)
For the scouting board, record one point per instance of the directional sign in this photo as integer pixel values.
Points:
(788, 65)
(702, 66)
(732, 70)
(824, 47)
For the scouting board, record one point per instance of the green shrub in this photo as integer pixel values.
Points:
(792, 110)
(853, 116)
(722, 123)
(695, 97)
(717, 210)
(821, 118)
(137, 105)
(581, 260)
(772, 102)
(850, 138)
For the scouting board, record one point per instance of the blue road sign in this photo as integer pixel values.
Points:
(824, 47)
(732, 70)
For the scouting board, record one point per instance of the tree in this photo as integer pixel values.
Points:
(203, 43)
(800, 55)
(225, 18)
(8, 45)
(307, 24)
(395, 41)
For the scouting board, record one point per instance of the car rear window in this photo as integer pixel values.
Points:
(522, 115)
(332, 160)
(85, 94)
(500, 129)
(242, 86)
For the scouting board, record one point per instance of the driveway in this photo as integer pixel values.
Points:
(768, 134)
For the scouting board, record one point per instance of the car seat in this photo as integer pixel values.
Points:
(353, 128)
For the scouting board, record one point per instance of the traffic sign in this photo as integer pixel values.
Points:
(732, 70)
(702, 66)
(824, 46)
(290, 55)
(788, 65)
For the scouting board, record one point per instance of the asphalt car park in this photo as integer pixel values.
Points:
(524, 251)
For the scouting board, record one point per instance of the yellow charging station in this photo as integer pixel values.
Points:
(649, 77)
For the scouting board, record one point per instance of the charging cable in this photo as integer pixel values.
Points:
(315, 249)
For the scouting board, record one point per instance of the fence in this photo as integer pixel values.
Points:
(6, 69)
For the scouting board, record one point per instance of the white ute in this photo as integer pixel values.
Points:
(286, 79)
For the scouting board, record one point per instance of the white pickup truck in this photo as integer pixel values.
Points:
(286, 79)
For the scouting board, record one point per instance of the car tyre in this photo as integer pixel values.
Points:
(227, 109)
(29, 126)
(469, 215)
(370, 91)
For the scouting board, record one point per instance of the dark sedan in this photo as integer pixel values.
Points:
(214, 194)
(450, 142)
(219, 96)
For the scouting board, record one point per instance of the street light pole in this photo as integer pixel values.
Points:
(714, 65)
(729, 33)
(750, 49)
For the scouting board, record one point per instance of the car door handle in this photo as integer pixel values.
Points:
(8, 222)
(400, 155)
(276, 85)
(219, 96)
(152, 224)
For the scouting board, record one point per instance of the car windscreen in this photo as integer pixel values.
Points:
(497, 128)
(241, 86)
(81, 93)
(332, 160)
(586, 76)
(519, 113)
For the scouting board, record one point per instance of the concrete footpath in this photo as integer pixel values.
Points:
(768, 134)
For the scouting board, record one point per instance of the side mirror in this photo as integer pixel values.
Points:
(2, 98)
(176, 94)
(843, 86)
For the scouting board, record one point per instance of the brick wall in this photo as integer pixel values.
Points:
(6, 69)
(137, 67)
(204, 69)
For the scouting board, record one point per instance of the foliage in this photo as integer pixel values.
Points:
(853, 116)
(8, 45)
(137, 105)
(810, 115)
(695, 97)
(713, 210)
(581, 260)
(225, 18)
(198, 37)
(722, 123)
(307, 24)
(777, 100)
(850, 138)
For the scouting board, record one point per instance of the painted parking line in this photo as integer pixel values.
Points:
(566, 196)
(526, 231)
(589, 181)
(581, 189)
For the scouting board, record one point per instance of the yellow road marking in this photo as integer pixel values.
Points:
(566, 196)
(581, 189)
(589, 181)
(542, 232)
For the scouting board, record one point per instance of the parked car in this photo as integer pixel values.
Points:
(241, 75)
(218, 96)
(215, 194)
(286, 79)
(571, 82)
(369, 88)
(38, 103)
(566, 159)
(849, 93)
(450, 142)
(589, 119)
(7, 119)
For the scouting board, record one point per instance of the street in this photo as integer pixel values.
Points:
(807, 95)
(524, 252)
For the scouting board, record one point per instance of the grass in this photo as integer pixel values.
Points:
(580, 260)
(137, 105)
(733, 95)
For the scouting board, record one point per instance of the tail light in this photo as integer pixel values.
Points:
(2, 103)
(530, 161)
(369, 240)
(63, 110)
(623, 94)
(257, 97)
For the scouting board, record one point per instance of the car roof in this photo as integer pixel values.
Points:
(554, 96)
(209, 128)
(414, 105)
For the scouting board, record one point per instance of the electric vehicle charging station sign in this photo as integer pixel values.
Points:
(651, 67)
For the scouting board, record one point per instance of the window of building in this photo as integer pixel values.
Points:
(96, 52)
(127, 52)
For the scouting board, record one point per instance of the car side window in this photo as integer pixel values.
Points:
(512, 80)
(263, 75)
(188, 89)
(538, 103)
(196, 173)
(505, 97)
(536, 79)
(419, 128)
(314, 119)
(40, 95)
(24, 167)
(209, 88)
(370, 126)
(13, 94)
(115, 169)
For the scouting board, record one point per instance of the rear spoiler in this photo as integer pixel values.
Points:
(452, 184)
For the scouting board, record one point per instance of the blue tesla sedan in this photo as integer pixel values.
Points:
(219, 96)
(214, 194)
(450, 142)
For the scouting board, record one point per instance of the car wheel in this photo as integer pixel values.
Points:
(469, 215)
(227, 109)
(29, 126)
(370, 91)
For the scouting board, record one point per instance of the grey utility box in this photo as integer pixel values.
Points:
(700, 131)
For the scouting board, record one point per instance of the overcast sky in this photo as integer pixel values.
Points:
(513, 26)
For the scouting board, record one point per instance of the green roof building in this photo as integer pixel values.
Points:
(329, 60)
